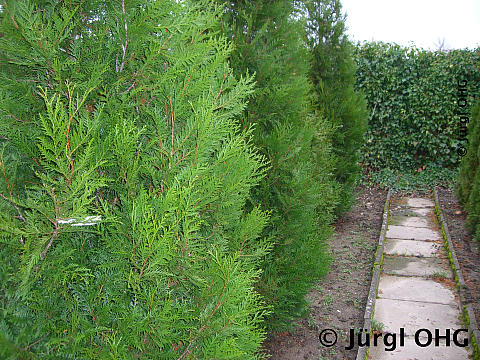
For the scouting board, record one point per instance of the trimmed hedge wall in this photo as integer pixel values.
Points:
(416, 100)
(469, 176)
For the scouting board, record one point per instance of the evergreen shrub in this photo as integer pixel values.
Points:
(125, 178)
(299, 188)
(333, 73)
(468, 187)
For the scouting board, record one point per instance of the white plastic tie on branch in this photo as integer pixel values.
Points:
(87, 221)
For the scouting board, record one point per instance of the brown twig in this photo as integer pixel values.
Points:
(221, 88)
(187, 82)
(55, 223)
(27, 348)
(129, 88)
(173, 124)
(11, 16)
(143, 266)
(13, 116)
(204, 326)
(124, 46)
(20, 216)
(54, 236)
(183, 157)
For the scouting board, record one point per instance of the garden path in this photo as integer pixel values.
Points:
(417, 296)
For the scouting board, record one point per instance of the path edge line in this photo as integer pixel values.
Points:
(467, 310)
(362, 352)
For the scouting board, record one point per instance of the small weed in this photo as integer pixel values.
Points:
(357, 303)
(377, 325)
(439, 275)
(328, 300)
(311, 321)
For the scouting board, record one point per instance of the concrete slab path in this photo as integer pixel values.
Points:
(417, 312)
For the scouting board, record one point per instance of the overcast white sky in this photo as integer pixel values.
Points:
(423, 22)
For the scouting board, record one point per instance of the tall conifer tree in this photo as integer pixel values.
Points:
(468, 184)
(124, 178)
(298, 189)
(333, 75)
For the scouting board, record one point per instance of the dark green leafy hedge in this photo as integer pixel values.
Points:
(413, 97)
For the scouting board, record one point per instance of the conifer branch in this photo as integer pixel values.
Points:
(183, 157)
(217, 306)
(163, 48)
(183, 141)
(72, 14)
(143, 266)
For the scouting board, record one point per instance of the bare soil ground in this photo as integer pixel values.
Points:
(465, 248)
(338, 301)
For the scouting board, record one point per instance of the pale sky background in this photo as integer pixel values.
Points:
(423, 22)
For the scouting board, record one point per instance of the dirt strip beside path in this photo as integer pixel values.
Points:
(466, 249)
(338, 301)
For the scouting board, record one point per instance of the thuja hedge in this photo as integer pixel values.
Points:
(416, 99)
(124, 177)
(468, 189)
(155, 202)
(299, 188)
(333, 75)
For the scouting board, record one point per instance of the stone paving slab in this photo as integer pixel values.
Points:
(411, 248)
(414, 266)
(414, 289)
(412, 221)
(408, 211)
(411, 351)
(412, 233)
(420, 203)
(422, 211)
(414, 315)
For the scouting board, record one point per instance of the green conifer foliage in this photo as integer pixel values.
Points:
(333, 74)
(468, 188)
(125, 175)
(298, 189)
